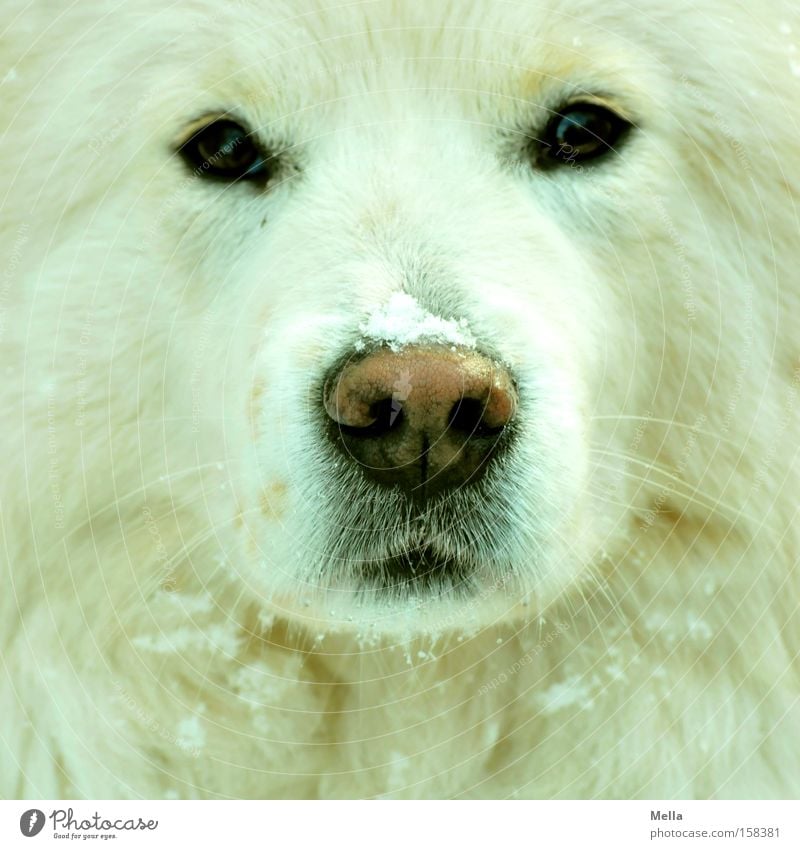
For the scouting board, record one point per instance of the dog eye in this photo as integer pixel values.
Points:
(226, 150)
(581, 132)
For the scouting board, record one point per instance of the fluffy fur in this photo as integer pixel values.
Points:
(180, 608)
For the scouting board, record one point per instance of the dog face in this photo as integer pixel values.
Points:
(421, 357)
(410, 275)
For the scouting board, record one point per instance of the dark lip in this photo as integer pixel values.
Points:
(422, 569)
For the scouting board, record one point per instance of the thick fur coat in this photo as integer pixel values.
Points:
(181, 614)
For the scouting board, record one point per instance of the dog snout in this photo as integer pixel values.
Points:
(426, 419)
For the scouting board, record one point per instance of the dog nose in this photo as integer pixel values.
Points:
(427, 419)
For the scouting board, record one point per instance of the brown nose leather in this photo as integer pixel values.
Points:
(424, 418)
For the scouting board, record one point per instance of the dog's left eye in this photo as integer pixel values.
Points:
(226, 150)
(580, 132)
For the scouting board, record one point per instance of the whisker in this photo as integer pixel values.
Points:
(632, 458)
(688, 493)
(668, 423)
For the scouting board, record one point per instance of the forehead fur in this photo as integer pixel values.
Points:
(301, 72)
(276, 56)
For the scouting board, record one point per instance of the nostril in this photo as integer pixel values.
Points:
(384, 415)
(468, 417)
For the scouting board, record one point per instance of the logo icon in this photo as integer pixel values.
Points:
(400, 392)
(31, 822)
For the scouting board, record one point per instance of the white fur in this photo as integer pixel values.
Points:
(174, 622)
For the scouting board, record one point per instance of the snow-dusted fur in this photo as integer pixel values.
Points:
(175, 618)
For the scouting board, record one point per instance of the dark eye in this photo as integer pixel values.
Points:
(225, 149)
(581, 132)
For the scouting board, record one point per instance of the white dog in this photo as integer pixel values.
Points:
(400, 399)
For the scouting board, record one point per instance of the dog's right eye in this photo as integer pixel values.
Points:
(226, 150)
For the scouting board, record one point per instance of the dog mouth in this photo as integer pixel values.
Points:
(385, 546)
(421, 569)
